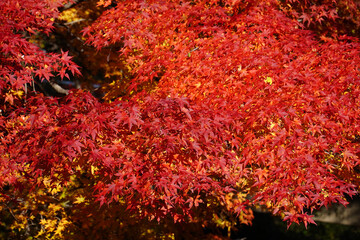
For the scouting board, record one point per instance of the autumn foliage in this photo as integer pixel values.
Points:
(229, 106)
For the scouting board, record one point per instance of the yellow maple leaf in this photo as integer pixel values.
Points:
(268, 80)
(18, 93)
(79, 200)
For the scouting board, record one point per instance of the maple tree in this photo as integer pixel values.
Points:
(229, 105)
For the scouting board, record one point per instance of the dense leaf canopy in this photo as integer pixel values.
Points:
(230, 103)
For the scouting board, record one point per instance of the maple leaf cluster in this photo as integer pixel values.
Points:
(326, 18)
(244, 101)
(21, 60)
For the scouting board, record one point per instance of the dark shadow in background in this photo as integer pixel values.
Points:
(267, 227)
